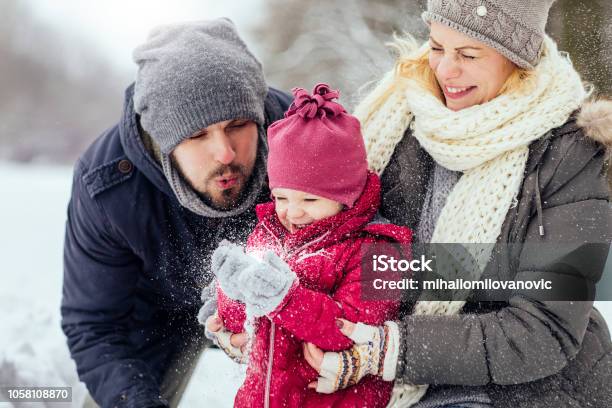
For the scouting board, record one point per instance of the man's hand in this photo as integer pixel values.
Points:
(233, 344)
(265, 284)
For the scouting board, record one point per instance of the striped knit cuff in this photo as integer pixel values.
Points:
(392, 346)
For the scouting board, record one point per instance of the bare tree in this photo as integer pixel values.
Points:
(342, 41)
(51, 106)
(337, 41)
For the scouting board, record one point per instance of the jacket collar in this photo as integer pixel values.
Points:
(135, 149)
(539, 146)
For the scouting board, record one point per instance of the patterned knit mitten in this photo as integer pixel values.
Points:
(375, 352)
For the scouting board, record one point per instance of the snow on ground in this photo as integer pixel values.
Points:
(33, 351)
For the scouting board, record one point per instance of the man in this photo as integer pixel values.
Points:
(152, 198)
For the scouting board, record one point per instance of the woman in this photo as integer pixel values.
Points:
(483, 136)
(479, 140)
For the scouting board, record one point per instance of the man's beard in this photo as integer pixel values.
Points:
(230, 199)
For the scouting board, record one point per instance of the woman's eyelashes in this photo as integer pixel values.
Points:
(461, 55)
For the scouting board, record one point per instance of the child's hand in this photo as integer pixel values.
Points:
(266, 284)
(375, 352)
(314, 355)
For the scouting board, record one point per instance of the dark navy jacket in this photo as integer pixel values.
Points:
(134, 263)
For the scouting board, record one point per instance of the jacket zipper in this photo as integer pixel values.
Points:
(273, 325)
(539, 202)
(270, 361)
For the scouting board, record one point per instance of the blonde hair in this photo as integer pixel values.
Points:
(412, 65)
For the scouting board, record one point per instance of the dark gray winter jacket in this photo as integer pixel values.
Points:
(523, 351)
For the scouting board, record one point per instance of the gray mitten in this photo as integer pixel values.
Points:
(228, 261)
(265, 284)
(209, 308)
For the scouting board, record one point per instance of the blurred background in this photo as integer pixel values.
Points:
(64, 65)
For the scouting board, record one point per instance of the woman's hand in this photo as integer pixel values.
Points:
(374, 348)
(233, 344)
(314, 355)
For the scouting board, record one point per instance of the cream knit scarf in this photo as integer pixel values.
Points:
(488, 143)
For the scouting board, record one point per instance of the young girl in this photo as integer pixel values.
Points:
(309, 242)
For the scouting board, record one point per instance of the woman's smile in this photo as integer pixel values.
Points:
(457, 92)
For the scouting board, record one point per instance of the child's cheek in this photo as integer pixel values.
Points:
(282, 216)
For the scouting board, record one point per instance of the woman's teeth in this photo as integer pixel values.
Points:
(456, 90)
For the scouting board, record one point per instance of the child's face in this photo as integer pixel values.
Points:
(296, 209)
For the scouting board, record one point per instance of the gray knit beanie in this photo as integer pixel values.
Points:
(515, 28)
(192, 75)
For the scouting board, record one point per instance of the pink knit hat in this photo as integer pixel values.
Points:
(318, 148)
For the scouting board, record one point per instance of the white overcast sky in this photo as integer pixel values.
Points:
(117, 26)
